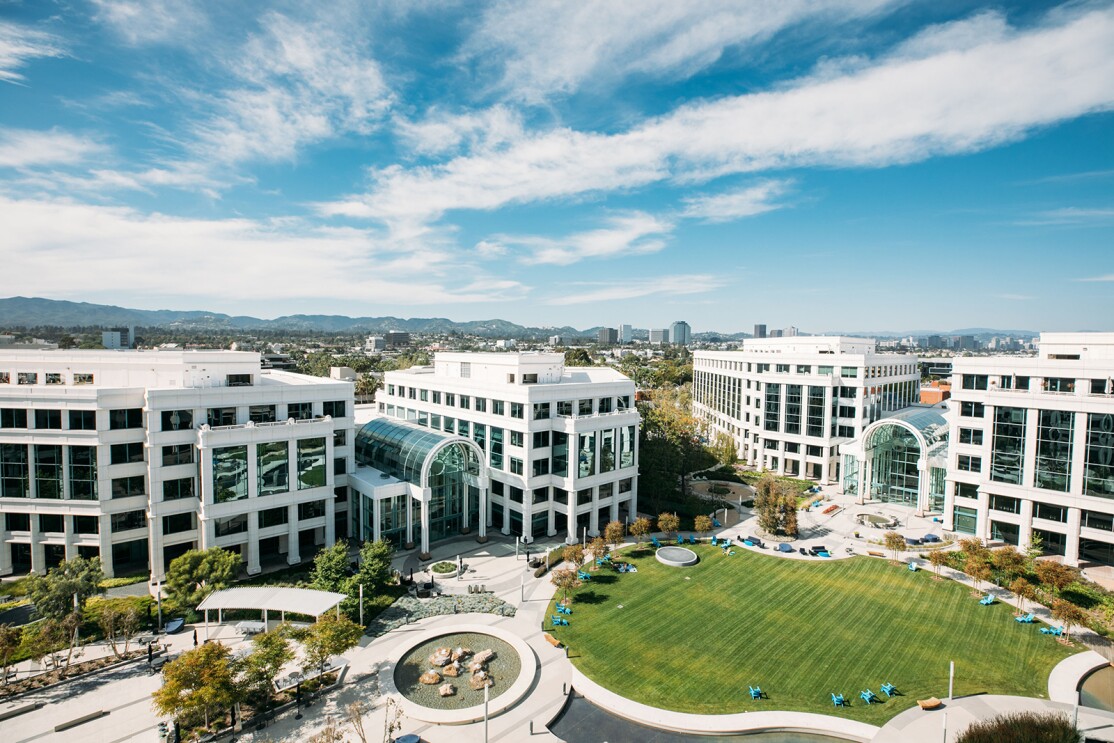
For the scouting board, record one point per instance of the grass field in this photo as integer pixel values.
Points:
(692, 639)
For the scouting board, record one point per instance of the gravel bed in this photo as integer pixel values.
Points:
(408, 609)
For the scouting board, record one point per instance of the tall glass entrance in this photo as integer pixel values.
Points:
(893, 473)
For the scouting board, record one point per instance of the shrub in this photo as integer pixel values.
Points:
(443, 567)
(555, 557)
(1022, 727)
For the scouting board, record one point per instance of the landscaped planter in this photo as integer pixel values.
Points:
(450, 573)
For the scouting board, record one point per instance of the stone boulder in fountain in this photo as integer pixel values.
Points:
(441, 656)
(479, 680)
(429, 678)
(453, 669)
(460, 653)
(446, 690)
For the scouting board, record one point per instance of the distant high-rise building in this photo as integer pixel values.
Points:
(118, 338)
(397, 339)
(790, 332)
(680, 333)
(626, 333)
(964, 342)
(556, 340)
(775, 334)
(375, 343)
(759, 331)
(660, 336)
(608, 336)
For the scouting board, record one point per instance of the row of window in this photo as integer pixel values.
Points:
(539, 411)
(1047, 384)
(230, 468)
(48, 378)
(268, 518)
(172, 420)
(559, 496)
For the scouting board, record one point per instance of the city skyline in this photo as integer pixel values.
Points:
(939, 167)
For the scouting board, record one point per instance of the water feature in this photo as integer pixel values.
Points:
(678, 557)
(503, 668)
(1097, 689)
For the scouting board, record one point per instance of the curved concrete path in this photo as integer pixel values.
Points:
(1063, 682)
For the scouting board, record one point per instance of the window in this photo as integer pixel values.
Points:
(273, 517)
(83, 378)
(86, 524)
(5, 378)
(1059, 384)
(13, 418)
(565, 408)
(966, 490)
(335, 408)
(1098, 476)
(971, 409)
(540, 467)
(541, 439)
(496, 447)
(261, 413)
(975, 381)
(312, 510)
(516, 410)
(272, 463)
(969, 464)
(497, 407)
(1095, 520)
(17, 521)
(793, 408)
(1005, 503)
(465, 369)
(231, 525)
(126, 487)
(584, 407)
(221, 417)
(462, 427)
(845, 432)
(15, 471)
(586, 455)
(516, 466)
(1054, 445)
(178, 489)
(128, 520)
(450, 399)
(781, 368)
(48, 419)
(340, 466)
(465, 402)
(54, 379)
(1050, 513)
(604, 405)
(179, 522)
(607, 450)
(848, 372)
(126, 453)
(965, 520)
(625, 485)
(541, 411)
(970, 436)
(238, 380)
(481, 405)
(341, 494)
(516, 438)
(177, 420)
(773, 407)
(299, 411)
(230, 473)
(559, 454)
(83, 472)
(177, 454)
(815, 420)
(125, 418)
(340, 437)
(1008, 445)
(50, 522)
(623, 403)
(311, 463)
(28, 378)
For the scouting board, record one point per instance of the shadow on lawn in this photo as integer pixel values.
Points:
(604, 579)
(588, 597)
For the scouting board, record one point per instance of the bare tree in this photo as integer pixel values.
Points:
(354, 714)
(393, 720)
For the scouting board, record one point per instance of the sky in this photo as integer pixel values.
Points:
(837, 165)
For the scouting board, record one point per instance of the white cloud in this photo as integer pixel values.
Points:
(141, 22)
(682, 284)
(633, 233)
(552, 46)
(441, 132)
(26, 148)
(1014, 297)
(904, 108)
(737, 203)
(1104, 278)
(19, 44)
(52, 248)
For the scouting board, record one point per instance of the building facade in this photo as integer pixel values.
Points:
(138, 456)
(680, 333)
(607, 336)
(788, 403)
(558, 447)
(659, 336)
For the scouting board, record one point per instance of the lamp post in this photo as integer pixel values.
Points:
(158, 596)
(361, 604)
(485, 709)
(298, 701)
(951, 679)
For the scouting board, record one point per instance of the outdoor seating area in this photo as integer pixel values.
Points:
(987, 600)
(784, 547)
(1054, 631)
(756, 692)
(560, 621)
(564, 610)
(1027, 619)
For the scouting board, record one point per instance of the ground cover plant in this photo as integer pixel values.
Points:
(693, 639)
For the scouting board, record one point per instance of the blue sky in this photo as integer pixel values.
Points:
(844, 165)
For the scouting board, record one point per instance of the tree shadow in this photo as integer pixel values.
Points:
(604, 579)
(588, 597)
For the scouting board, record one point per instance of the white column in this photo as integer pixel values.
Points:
(252, 557)
(570, 518)
(1029, 461)
(1025, 534)
(826, 466)
(38, 556)
(594, 516)
(485, 498)
(293, 548)
(330, 520)
(409, 519)
(1071, 545)
(5, 549)
(377, 519)
(425, 526)
(922, 485)
(982, 525)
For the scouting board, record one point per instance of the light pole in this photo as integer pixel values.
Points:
(951, 679)
(158, 596)
(361, 604)
(485, 709)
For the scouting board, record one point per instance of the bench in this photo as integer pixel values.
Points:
(79, 721)
(872, 553)
(551, 640)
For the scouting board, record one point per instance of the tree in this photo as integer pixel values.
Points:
(38, 640)
(331, 733)
(788, 510)
(1068, 613)
(1024, 590)
(73, 580)
(118, 619)
(354, 716)
(1034, 550)
(330, 635)
(1055, 576)
(668, 522)
(565, 579)
(270, 652)
(577, 357)
(331, 568)
(894, 542)
(195, 574)
(374, 571)
(614, 533)
(10, 638)
(198, 683)
(69, 625)
(702, 524)
(938, 558)
(1008, 563)
(573, 554)
(1022, 727)
(979, 571)
(640, 528)
(723, 449)
(598, 547)
(367, 385)
(392, 719)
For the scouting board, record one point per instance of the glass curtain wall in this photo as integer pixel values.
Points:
(815, 411)
(15, 476)
(450, 472)
(772, 414)
(48, 471)
(936, 487)
(626, 446)
(893, 474)
(83, 472)
(792, 408)
(1098, 478)
(850, 475)
(586, 455)
(273, 467)
(559, 454)
(230, 473)
(1009, 445)
(311, 463)
(1054, 450)
(607, 450)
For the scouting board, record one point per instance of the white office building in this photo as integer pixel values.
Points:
(789, 403)
(541, 449)
(138, 456)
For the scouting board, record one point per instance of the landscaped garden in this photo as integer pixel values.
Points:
(693, 639)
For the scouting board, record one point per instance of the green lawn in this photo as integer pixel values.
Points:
(692, 639)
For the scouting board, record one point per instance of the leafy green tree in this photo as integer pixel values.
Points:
(330, 635)
(577, 357)
(270, 652)
(668, 522)
(894, 542)
(938, 558)
(1024, 590)
(702, 524)
(565, 579)
(1055, 576)
(1007, 562)
(614, 533)
(195, 574)
(598, 547)
(199, 683)
(54, 594)
(375, 571)
(723, 449)
(1068, 613)
(640, 528)
(10, 638)
(332, 569)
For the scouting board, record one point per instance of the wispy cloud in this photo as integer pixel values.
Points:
(1104, 277)
(1014, 297)
(682, 284)
(633, 233)
(141, 22)
(25, 148)
(906, 107)
(737, 203)
(19, 45)
(1069, 215)
(552, 47)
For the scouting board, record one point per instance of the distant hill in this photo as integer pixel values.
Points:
(28, 312)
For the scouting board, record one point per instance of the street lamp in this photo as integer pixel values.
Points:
(298, 701)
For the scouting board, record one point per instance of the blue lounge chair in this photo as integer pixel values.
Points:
(564, 610)
(889, 690)
(868, 696)
(692, 539)
(560, 621)
(838, 700)
(716, 523)
(755, 692)
(1027, 619)
(655, 541)
(986, 600)
(749, 543)
(714, 542)
(581, 575)
(680, 539)
(823, 554)
(1054, 631)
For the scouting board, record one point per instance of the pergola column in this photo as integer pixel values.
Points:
(425, 526)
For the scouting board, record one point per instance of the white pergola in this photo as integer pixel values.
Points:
(271, 598)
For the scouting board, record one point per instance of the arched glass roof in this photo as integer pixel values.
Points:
(396, 448)
(928, 421)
